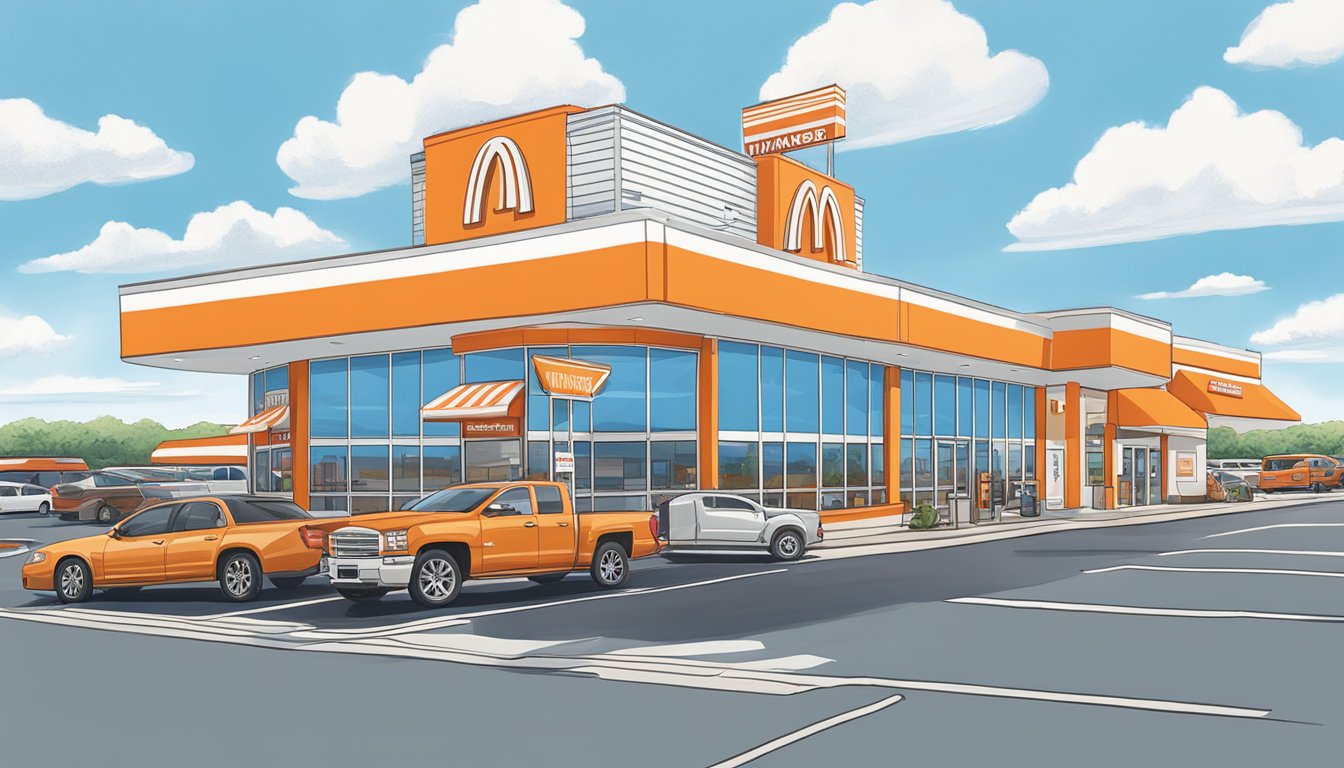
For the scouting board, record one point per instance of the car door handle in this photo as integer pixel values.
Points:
(563, 525)
(160, 541)
(529, 524)
(211, 537)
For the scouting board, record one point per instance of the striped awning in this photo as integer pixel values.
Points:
(485, 400)
(224, 449)
(276, 417)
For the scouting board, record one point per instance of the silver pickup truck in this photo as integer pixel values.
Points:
(724, 524)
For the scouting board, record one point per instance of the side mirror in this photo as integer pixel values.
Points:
(500, 508)
(114, 533)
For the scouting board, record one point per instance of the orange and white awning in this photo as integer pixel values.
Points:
(224, 449)
(1155, 409)
(276, 417)
(1230, 401)
(490, 399)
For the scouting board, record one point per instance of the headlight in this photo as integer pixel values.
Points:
(36, 557)
(395, 541)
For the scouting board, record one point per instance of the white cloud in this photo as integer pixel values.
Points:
(1313, 322)
(911, 68)
(1210, 168)
(1221, 284)
(231, 235)
(62, 384)
(1306, 355)
(41, 156)
(30, 333)
(506, 57)
(1298, 33)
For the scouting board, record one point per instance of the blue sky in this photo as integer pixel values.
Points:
(227, 83)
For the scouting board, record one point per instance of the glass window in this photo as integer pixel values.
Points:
(620, 503)
(923, 463)
(198, 516)
(772, 389)
(907, 402)
(440, 372)
(856, 464)
(672, 465)
(452, 500)
(772, 465)
(832, 501)
(801, 393)
(329, 504)
(907, 464)
(833, 465)
(621, 405)
(832, 395)
(1029, 412)
(493, 460)
(801, 466)
(729, 502)
(738, 387)
(965, 406)
(1095, 472)
(879, 469)
(944, 405)
(549, 500)
(671, 390)
(803, 500)
(261, 470)
(368, 505)
(998, 402)
(258, 392)
(277, 379)
(538, 460)
(368, 396)
(151, 522)
(443, 466)
(739, 465)
(538, 403)
(406, 468)
(981, 408)
(495, 365)
(282, 470)
(583, 416)
(856, 398)
(560, 415)
(264, 510)
(368, 468)
(583, 466)
(877, 399)
(1014, 411)
(406, 400)
(1029, 463)
(1014, 461)
(518, 498)
(923, 403)
(619, 466)
(327, 398)
(327, 470)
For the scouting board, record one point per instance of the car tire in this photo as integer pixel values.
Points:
(611, 565)
(362, 595)
(107, 514)
(788, 545)
(74, 580)
(44, 509)
(239, 577)
(288, 582)
(436, 578)
(548, 578)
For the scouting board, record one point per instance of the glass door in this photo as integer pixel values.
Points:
(1140, 479)
(1124, 491)
(953, 477)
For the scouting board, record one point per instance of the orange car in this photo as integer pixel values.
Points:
(235, 540)
(1303, 471)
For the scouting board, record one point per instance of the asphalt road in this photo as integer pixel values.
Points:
(1118, 646)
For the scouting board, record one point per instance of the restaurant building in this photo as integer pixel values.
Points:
(745, 346)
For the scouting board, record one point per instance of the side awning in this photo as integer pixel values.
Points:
(276, 417)
(1155, 408)
(224, 449)
(490, 399)
(1229, 402)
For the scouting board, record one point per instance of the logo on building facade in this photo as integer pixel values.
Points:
(794, 122)
(1231, 389)
(824, 209)
(512, 179)
(561, 377)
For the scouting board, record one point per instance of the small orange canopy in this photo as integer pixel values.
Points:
(1154, 408)
(1217, 396)
(224, 449)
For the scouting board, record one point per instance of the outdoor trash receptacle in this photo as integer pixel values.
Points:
(1029, 505)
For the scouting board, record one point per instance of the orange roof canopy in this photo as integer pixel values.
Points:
(1154, 408)
(223, 449)
(1227, 397)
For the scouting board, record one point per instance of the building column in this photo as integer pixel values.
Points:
(1073, 444)
(707, 420)
(891, 433)
(1166, 465)
(298, 431)
(1042, 402)
(1108, 452)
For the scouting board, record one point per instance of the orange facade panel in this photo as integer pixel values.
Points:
(1215, 362)
(944, 331)
(1154, 408)
(1102, 347)
(1238, 399)
(545, 337)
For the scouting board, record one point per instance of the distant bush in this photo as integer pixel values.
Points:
(924, 517)
(1326, 437)
(102, 442)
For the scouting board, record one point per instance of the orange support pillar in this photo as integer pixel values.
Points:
(1041, 405)
(1108, 452)
(298, 431)
(708, 418)
(891, 433)
(1073, 445)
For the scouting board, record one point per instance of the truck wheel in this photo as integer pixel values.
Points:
(611, 566)
(435, 579)
(362, 595)
(787, 545)
(239, 577)
(106, 514)
(74, 582)
(548, 578)
(287, 582)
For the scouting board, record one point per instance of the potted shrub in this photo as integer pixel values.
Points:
(924, 518)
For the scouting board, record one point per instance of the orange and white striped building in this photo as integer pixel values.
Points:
(747, 347)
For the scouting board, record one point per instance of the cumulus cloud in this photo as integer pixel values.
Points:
(41, 156)
(1315, 321)
(506, 57)
(1221, 284)
(76, 385)
(1306, 355)
(911, 68)
(30, 333)
(1210, 168)
(230, 236)
(1301, 33)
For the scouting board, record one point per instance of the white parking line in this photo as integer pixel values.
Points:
(278, 607)
(1277, 525)
(1258, 571)
(1303, 552)
(1132, 610)
(803, 733)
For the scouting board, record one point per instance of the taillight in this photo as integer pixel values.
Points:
(653, 526)
(54, 492)
(313, 538)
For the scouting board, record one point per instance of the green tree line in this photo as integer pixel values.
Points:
(102, 442)
(1326, 437)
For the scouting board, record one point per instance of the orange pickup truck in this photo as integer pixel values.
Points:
(484, 530)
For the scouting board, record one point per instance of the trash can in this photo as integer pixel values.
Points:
(1028, 501)
(961, 507)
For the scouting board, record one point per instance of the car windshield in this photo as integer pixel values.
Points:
(452, 500)
(264, 510)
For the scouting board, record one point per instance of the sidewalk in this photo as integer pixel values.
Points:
(886, 531)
